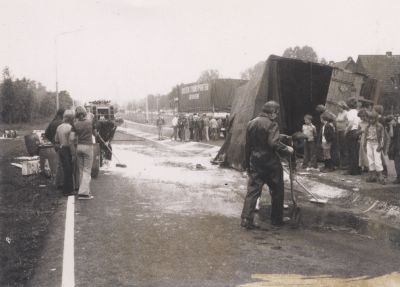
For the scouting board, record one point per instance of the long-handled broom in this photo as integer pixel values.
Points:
(118, 164)
(314, 199)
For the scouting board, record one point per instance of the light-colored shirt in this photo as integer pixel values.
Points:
(213, 124)
(323, 133)
(353, 119)
(310, 131)
(174, 121)
(341, 121)
(63, 134)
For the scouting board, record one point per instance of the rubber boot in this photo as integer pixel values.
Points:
(371, 176)
(381, 178)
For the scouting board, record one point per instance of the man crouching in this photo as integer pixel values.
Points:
(263, 164)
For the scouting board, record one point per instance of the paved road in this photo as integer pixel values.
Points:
(172, 219)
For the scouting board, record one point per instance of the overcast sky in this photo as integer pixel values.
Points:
(126, 49)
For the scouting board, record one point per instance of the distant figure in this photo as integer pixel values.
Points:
(160, 123)
(175, 127)
(374, 137)
(214, 129)
(206, 126)
(341, 124)
(182, 122)
(191, 127)
(362, 155)
(309, 144)
(353, 136)
(327, 136)
(196, 128)
(394, 151)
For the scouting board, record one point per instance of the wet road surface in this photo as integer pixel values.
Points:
(172, 219)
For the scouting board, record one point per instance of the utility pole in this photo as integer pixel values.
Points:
(56, 60)
(147, 108)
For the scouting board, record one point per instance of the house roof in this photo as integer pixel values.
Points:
(384, 68)
(349, 64)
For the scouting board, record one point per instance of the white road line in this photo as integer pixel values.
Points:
(68, 272)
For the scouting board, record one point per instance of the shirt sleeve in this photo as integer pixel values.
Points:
(247, 148)
(273, 138)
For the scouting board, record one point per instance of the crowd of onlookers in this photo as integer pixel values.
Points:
(195, 127)
(360, 138)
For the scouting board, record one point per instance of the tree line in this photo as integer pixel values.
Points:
(24, 100)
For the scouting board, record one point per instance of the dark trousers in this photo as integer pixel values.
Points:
(309, 154)
(175, 133)
(274, 179)
(342, 149)
(397, 164)
(66, 161)
(191, 137)
(353, 148)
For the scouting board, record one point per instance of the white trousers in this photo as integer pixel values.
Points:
(84, 154)
(374, 157)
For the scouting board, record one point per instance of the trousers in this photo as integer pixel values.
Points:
(66, 162)
(374, 157)
(84, 154)
(274, 180)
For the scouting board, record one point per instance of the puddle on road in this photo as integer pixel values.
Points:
(213, 190)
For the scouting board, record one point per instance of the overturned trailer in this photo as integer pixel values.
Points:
(346, 84)
(212, 96)
(298, 86)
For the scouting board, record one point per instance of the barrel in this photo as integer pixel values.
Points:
(32, 143)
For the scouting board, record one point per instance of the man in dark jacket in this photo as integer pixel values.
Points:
(55, 163)
(263, 164)
(51, 129)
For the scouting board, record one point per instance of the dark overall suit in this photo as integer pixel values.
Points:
(264, 166)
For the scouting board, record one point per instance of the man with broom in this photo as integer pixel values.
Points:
(263, 164)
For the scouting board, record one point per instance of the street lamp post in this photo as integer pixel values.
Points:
(56, 60)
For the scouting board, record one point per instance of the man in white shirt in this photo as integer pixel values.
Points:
(175, 126)
(352, 137)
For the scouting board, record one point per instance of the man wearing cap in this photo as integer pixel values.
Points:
(263, 164)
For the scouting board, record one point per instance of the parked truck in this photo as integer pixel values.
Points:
(106, 123)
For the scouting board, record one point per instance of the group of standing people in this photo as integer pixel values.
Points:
(194, 127)
(359, 139)
(72, 133)
(197, 127)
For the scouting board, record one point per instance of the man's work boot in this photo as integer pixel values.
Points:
(381, 178)
(248, 224)
(371, 176)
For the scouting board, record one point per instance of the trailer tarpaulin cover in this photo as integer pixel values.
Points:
(298, 86)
